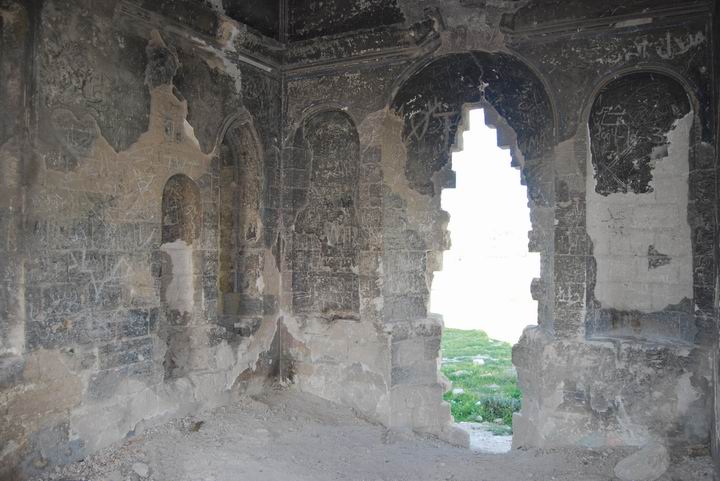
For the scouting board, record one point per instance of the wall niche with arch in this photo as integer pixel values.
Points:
(179, 281)
(326, 240)
(641, 210)
(240, 237)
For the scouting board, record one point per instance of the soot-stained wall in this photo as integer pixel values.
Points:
(431, 104)
(263, 16)
(309, 225)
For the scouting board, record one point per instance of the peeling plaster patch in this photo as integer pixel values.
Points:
(230, 34)
(393, 163)
(190, 134)
(179, 292)
(629, 127)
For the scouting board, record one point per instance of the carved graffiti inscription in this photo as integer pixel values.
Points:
(628, 126)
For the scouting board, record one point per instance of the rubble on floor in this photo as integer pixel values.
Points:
(290, 436)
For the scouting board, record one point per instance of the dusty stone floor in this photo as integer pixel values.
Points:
(287, 436)
(482, 440)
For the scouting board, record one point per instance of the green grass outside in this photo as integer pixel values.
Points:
(490, 390)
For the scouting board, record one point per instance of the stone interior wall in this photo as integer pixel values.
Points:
(715, 434)
(192, 206)
(541, 82)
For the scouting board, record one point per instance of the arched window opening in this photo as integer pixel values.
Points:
(483, 290)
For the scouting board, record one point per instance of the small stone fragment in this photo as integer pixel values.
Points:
(648, 464)
(141, 469)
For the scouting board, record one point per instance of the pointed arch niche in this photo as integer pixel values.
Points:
(181, 224)
(325, 243)
(240, 249)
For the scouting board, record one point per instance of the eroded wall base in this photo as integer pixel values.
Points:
(611, 393)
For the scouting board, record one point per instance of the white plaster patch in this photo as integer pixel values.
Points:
(624, 226)
(190, 134)
(179, 292)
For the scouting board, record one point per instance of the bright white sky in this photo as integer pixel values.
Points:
(485, 281)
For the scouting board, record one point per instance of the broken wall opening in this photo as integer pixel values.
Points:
(483, 290)
(431, 104)
(488, 263)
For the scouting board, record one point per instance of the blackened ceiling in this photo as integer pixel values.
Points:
(262, 15)
(295, 20)
(299, 20)
(314, 18)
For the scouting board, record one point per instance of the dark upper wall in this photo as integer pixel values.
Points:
(293, 20)
(544, 12)
(314, 18)
(263, 16)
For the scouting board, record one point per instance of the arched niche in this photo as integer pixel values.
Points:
(181, 223)
(431, 102)
(325, 241)
(638, 188)
(241, 252)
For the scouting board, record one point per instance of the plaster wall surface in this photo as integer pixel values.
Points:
(179, 293)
